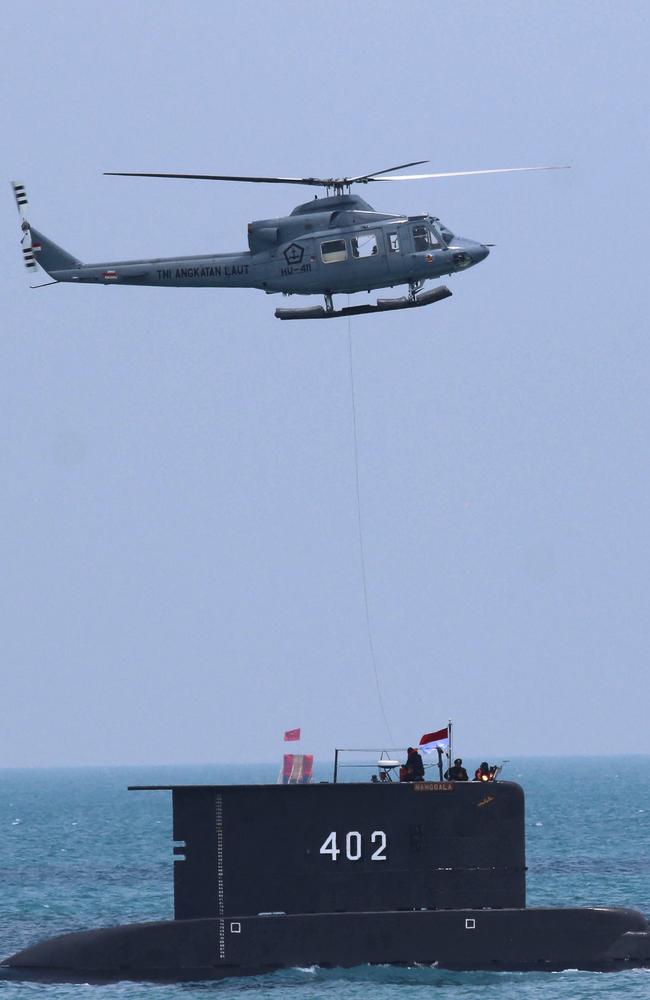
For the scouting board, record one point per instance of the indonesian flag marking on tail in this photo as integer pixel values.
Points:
(431, 741)
(109, 275)
(291, 735)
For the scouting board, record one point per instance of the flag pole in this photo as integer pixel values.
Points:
(449, 756)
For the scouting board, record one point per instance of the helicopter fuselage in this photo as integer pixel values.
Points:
(326, 246)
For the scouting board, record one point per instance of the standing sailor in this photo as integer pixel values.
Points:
(457, 772)
(484, 772)
(413, 769)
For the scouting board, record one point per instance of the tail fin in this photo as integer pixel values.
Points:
(50, 256)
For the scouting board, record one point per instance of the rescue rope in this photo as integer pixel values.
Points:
(364, 578)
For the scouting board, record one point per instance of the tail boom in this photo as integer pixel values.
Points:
(220, 271)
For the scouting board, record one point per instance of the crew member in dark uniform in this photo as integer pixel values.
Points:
(484, 772)
(413, 769)
(457, 772)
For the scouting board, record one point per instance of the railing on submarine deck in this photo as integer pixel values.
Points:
(384, 764)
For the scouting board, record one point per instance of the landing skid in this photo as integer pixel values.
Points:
(382, 305)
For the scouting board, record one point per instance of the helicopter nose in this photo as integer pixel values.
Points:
(480, 252)
(468, 253)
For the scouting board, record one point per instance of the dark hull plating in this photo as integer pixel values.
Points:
(506, 940)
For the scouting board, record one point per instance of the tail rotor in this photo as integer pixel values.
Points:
(27, 243)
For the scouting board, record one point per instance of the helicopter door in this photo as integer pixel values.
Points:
(368, 256)
(397, 246)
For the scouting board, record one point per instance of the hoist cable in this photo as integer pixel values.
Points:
(364, 577)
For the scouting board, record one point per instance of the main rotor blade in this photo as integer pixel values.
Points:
(312, 181)
(464, 173)
(375, 173)
(338, 183)
(315, 181)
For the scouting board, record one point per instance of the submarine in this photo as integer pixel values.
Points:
(269, 876)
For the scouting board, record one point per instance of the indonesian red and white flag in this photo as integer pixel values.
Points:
(292, 734)
(431, 741)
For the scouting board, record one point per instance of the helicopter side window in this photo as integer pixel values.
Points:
(424, 239)
(364, 245)
(393, 243)
(333, 251)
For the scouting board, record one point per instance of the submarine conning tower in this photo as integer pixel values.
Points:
(326, 848)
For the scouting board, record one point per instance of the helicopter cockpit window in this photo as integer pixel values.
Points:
(424, 239)
(333, 251)
(446, 235)
(364, 245)
(393, 242)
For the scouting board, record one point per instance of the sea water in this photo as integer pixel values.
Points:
(80, 851)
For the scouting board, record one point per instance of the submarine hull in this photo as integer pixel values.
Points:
(341, 875)
(541, 939)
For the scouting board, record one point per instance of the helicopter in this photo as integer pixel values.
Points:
(337, 244)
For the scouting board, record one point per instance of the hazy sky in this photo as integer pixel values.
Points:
(180, 564)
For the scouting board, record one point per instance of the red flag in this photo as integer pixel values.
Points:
(291, 734)
(438, 737)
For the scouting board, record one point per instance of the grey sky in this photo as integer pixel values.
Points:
(180, 562)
